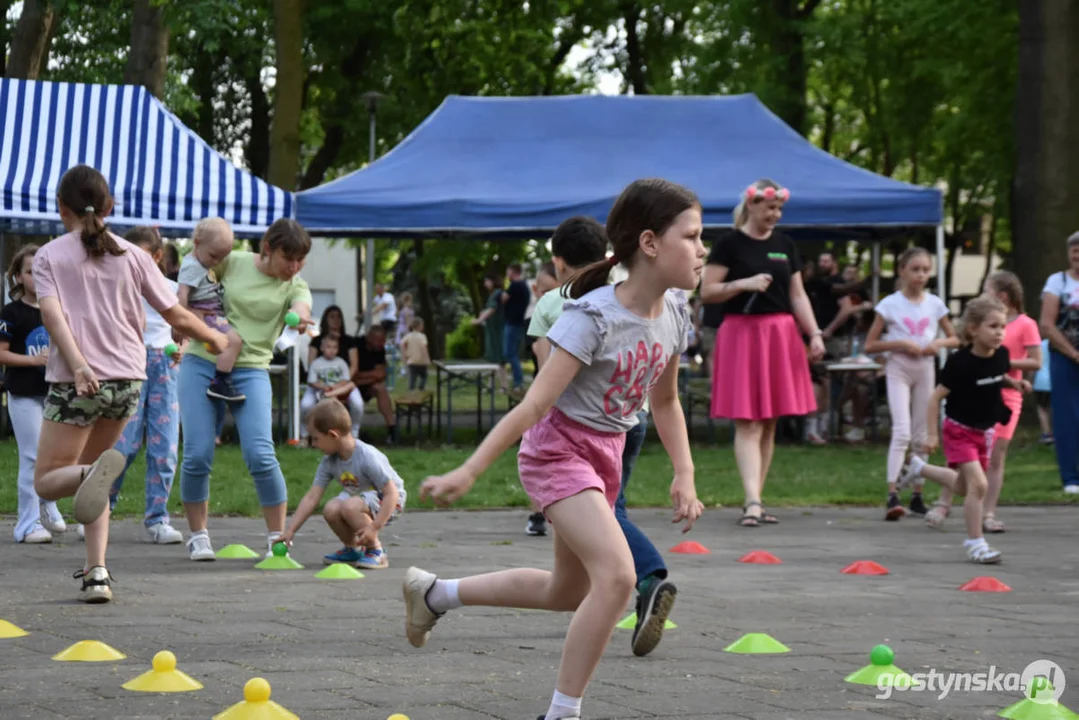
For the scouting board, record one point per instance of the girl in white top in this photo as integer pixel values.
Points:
(907, 326)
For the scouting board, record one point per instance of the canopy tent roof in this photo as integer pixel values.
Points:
(160, 172)
(521, 165)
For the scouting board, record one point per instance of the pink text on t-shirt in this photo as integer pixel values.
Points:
(634, 378)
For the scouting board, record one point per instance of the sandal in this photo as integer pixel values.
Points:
(937, 515)
(991, 524)
(748, 520)
(768, 518)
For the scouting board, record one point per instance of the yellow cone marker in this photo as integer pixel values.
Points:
(8, 630)
(89, 651)
(256, 705)
(397, 716)
(164, 677)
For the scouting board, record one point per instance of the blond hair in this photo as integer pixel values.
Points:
(212, 230)
(975, 313)
(329, 414)
(741, 213)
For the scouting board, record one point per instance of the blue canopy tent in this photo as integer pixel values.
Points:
(160, 172)
(518, 166)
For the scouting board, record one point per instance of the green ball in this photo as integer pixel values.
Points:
(881, 655)
(171, 349)
(292, 319)
(280, 549)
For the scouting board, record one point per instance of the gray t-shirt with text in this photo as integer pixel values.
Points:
(204, 286)
(366, 469)
(624, 355)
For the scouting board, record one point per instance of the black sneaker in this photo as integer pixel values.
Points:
(917, 505)
(895, 508)
(221, 388)
(537, 524)
(653, 607)
(96, 585)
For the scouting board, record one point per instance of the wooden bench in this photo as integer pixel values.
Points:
(412, 404)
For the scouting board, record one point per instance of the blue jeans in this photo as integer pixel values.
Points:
(254, 423)
(512, 337)
(646, 559)
(1064, 400)
(158, 418)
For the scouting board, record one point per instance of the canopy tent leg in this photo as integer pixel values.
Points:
(369, 267)
(294, 394)
(876, 273)
(941, 263)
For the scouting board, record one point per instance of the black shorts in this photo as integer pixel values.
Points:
(1042, 399)
(367, 391)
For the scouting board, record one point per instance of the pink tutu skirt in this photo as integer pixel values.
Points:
(760, 369)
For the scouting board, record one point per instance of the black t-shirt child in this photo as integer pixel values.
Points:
(21, 328)
(974, 384)
(745, 257)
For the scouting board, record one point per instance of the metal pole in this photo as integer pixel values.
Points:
(941, 263)
(294, 393)
(876, 272)
(372, 99)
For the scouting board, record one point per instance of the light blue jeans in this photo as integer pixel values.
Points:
(158, 419)
(26, 417)
(254, 424)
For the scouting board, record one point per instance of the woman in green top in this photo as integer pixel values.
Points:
(259, 290)
(493, 319)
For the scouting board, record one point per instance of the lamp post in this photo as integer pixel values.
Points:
(371, 99)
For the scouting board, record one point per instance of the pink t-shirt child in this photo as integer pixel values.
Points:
(1019, 335)
(102, 302)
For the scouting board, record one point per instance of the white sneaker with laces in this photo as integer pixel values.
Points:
(52, 519)
(92, 497)
(982, 554)
(96, 585)
(912, 470)
(164, 534)
(199, 547)
(419, 618)
(37, 536)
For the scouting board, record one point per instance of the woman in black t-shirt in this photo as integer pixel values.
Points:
(760, 369)
(24, 349)
(333, 323)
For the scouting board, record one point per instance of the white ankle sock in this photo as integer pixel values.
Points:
(563, 706)
(974, 542)
(443, 596)
(916, 465)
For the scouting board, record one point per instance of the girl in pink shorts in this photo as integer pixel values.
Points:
(613, 347)
(972, 381)
(1023, 343)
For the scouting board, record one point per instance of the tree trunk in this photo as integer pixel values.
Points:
(288, 94)
(146, 62)
(257, 152)
(635, 70)
(786, 39)
(4, 6)
(1046, 181)
(29, 45)
(426, 304)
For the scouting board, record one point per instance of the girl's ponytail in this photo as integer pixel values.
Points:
(85, 192)
(589, 278)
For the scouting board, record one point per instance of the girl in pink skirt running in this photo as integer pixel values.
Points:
(760, 369)
(613, 347)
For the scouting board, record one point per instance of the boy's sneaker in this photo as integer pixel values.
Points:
(981, 553)
(80, 532)
(37, 536)
(92, 497)
(420, 619)
(917, 505)
(221, 388)
(344, 555)
(374, 559)
(96, 584)
(653, 607)
(895, 509)
(164, 534)
(199, 547)
(52, 520)
(1045, 439)
(537, 524)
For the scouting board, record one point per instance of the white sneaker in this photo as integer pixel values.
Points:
(912, 470)
(198, 545)
(96, 585)
(80, 532)
(1071, 489)
(52, 519)
(164, 534)
(92, 497)
(982, 554)
(419, 618)
(37, 536)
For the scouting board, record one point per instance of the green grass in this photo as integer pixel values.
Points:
(801, 475)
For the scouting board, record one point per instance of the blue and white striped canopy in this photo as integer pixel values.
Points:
(160, 172)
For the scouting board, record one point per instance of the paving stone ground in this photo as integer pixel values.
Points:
(336, 650)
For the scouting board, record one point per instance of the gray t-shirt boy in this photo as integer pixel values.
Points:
(624, 355)
(327, 372)
(366, 469)
(205, 290)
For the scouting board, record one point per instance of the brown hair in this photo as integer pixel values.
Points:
(416, 324)
(85, 192)
(975, 313)
(651, 204)
(329, 414)
(909, 254)
(1008, 283)
(289, 237)
(15, 270)
(148, 239)
(741, 213)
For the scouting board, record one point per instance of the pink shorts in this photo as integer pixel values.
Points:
(559, 458)
(1014, 402)
(963, 444)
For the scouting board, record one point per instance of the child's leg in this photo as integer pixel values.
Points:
(335, 518)
(355, 406)
(307, 402)
(973, 478)
(995, 475)
(768, 449)
(1044, 420)
(227, 360)
(357, 515)
(899, 397)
